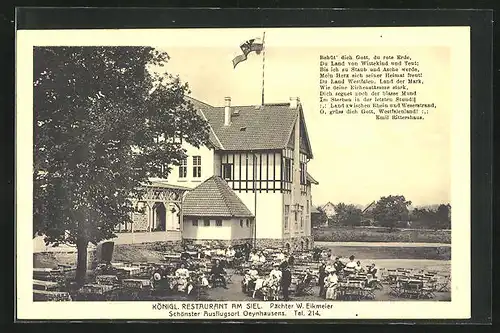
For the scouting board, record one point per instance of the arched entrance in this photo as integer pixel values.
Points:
(301, 245)
(307, 244)
(160, 216)
(287, 247)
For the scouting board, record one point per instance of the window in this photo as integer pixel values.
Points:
(287, 212)
(287, 170)
(303, 173)
(196, 166)
(248, 223)
(206, 223)
(218, 223)
(241, 223)
(183, 168)
(301, 217)
(227, 171)
(195, 223)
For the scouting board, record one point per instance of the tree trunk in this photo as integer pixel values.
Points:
(81, 261)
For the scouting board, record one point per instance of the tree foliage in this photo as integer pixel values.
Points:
(319, 220)
(439, 218)
(104, 122)
(347, 214)
(388, 211)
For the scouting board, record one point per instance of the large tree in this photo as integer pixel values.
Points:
(320, 219)
(347, 214)
(437, 218)
(388, 211)
(105, 121)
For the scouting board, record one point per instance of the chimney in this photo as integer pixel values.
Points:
(294, 102)
(227, 111)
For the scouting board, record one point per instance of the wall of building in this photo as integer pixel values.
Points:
(269, 215)
(295, 229)
(207, 167)
(296, 244)
(230, 229)
(261, 169)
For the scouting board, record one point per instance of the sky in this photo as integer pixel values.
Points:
(356, 159)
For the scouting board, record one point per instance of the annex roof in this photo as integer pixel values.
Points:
(214, 198)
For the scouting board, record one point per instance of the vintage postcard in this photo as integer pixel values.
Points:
(232, 174)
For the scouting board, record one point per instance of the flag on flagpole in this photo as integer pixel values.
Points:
(252, 45)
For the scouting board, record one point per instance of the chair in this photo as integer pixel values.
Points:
(445, 285)
(412, 289)
(305, 287)
(229, 277)
(369, 292)
(427, 292)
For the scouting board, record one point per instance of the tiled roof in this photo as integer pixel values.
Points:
(214, 198)
(311, 180)
(266, 127)
(252, 128)
(201, 108)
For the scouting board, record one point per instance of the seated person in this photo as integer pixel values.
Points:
(338, 265)
(276, 272)
(325, 255)
(316, 254)
(372, 271)
(329, 268)
(350, 267)
(204, 280)
(185, 256)
(217, 273)
(358, 268)
(254, 258)
(304, 281)
(230, 252)
(262, 258)
(281, 256)
(250, 277)
(331, 285)
(182, 276)
(239, 255)
(307, 276)
(207, 253)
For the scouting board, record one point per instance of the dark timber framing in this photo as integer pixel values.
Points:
(257, 170)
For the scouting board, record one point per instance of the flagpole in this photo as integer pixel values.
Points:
(263, 63)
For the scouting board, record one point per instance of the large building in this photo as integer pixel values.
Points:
(250, 183)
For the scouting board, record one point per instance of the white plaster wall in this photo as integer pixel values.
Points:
(295, 230)
(230, 229)
(269, 215)
(207, 167)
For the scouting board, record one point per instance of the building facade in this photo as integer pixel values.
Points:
(329, 210)
(259, 153)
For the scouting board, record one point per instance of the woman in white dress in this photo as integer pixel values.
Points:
(331, 282)
(262, 258)
(276, 272)
(182, 276)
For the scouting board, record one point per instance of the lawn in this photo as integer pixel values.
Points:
(363, 234)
